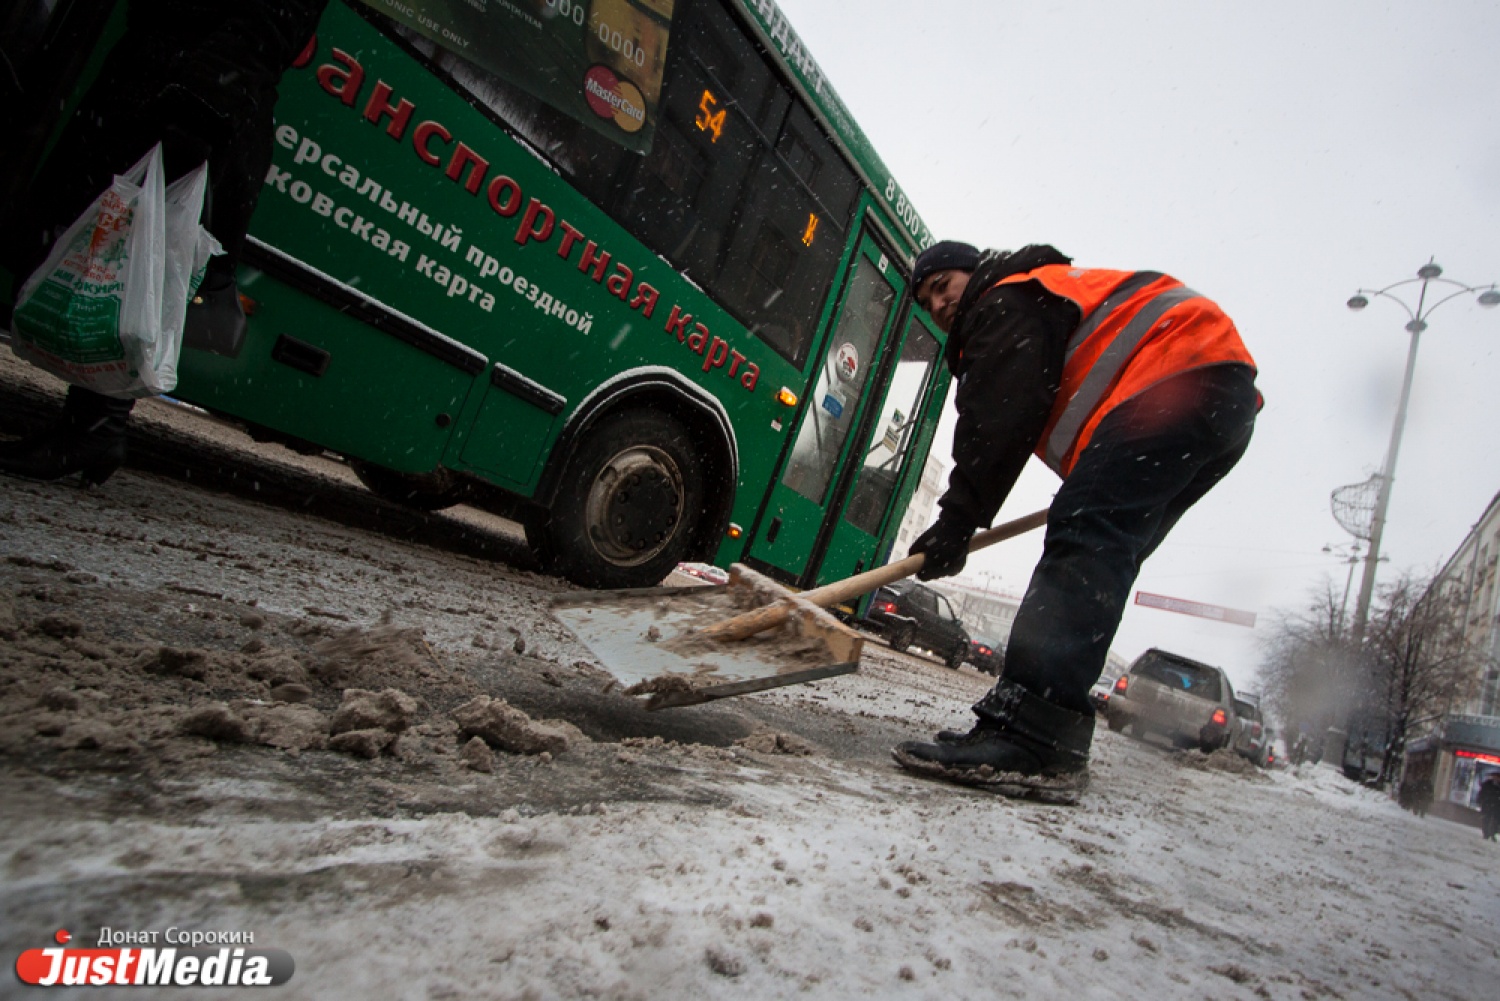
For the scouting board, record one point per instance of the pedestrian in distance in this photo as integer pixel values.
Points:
(200, 78)
(1489, 806)
(1139, 393)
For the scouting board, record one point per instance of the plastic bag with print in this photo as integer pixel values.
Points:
(106, 309)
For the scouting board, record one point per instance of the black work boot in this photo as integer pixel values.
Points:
(88, 438)
(1022, 745)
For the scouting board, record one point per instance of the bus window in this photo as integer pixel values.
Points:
(841, 382)
(812, 158)
(896, 431)
(741, 192)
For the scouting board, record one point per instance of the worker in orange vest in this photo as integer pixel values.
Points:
(1139, 393)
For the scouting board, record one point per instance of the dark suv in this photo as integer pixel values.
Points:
(908, 614)
(985, 654)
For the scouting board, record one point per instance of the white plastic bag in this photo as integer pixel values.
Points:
(106, 309)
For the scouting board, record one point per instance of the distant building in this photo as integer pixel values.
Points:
(984, 610)
(1453, 753)
(919, 511)
(1471, 573)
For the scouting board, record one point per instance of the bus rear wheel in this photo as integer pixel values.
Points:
(627, 504)
(421, 491)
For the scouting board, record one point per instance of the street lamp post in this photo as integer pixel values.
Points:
(1351, 558)
(1427, 274)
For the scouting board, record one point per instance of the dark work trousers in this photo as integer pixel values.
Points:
(1149, 460)
(198, 76)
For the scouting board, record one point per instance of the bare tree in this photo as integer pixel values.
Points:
(1418, 658)
(1309, 672)
(1412, 663)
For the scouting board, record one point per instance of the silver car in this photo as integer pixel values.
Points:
(1251, 739)
(1187, 702)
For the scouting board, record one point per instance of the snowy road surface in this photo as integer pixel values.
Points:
(753, 848)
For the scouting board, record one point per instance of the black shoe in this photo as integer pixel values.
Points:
(89, 438)
(215, 317)
(1021, 746)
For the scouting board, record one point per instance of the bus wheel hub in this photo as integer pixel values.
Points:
(635, 505)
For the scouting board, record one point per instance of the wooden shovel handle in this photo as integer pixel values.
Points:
(770, 616)
(852, 587)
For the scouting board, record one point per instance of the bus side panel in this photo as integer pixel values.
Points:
(506, 438)
(374, 184)
(311, 371)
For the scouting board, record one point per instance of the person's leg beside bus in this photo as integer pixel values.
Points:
(200, 78)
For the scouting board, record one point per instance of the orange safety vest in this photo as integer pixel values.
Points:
(1139, 327)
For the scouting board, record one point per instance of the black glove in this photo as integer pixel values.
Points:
(946, 546)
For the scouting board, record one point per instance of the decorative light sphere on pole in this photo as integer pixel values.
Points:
(1428, 275)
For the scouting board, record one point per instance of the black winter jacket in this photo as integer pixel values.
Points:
(1489, 796)
(1006, 349)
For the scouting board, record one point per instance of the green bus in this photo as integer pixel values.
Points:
(623, 270)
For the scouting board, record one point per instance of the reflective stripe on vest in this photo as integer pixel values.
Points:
(1102, 374)
(1095, 378)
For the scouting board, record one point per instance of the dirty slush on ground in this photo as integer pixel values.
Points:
(153, 635)
(239, 691)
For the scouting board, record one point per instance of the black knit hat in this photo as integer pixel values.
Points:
(944, 256)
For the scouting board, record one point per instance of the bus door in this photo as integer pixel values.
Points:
(808, 494)
(894, 432)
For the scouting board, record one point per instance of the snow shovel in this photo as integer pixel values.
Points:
(674, 644)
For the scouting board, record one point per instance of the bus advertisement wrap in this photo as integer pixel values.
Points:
(599, 62)
(680, 332)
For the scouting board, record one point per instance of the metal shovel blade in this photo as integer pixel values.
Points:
(644, 638)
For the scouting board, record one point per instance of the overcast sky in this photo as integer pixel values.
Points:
(1275, 156)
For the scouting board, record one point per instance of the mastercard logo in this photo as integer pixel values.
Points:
(610, 96)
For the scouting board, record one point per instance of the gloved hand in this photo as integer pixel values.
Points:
(946, 546)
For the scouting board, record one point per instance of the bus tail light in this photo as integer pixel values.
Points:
(787, 396)
(249, 305)
(735, 531)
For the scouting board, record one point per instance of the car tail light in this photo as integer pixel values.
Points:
(1121, 685)
(985, 651)
(887, 606)
(1219, 717)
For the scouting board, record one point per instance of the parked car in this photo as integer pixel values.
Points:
(1275, 750)
(908, 614)
(1099, 695)
(704, 571)
(1188, 702)
(1365, 745)
(985, 654)
(1251, 738)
